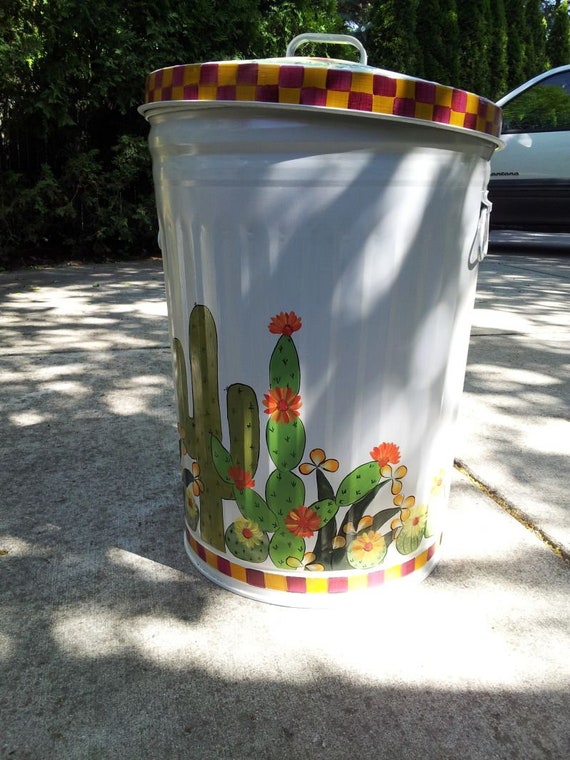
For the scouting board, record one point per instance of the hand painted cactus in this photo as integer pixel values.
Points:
(196, 431)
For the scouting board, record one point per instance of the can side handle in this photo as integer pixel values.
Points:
(333, 39)
(480, 244)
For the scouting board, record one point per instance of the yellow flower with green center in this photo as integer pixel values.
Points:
(367, 550)
(413, 519)
(248, 532)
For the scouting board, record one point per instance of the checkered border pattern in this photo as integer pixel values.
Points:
(328, 87)
(306, 584)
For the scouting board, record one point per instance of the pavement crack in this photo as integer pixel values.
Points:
(513, 511)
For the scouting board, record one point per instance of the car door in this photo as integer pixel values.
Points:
(530, 178)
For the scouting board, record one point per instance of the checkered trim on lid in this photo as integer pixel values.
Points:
(364, 90)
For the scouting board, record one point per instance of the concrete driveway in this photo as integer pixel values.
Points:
(113, 647)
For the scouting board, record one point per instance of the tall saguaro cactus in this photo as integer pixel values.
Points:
(196, 430)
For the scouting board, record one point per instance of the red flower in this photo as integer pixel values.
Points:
(282, 404)
(241, 478)
(386, 453)
(302, 522)
(285, 323)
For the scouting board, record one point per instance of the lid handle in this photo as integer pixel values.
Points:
(333, 39)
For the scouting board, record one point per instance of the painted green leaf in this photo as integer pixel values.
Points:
(285, 549)
(323, 549)
(252, 506)
(284, 371)
(358, 483)
(381, 517)
(221, 459)
(284, 491)
(256, 550)
(324, 488)
(286, 443)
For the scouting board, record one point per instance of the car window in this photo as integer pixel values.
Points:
(544, 107)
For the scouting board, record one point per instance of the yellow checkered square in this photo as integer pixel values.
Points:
(405, 88)
(238, 573)
(317, 585)
(362, 82)
(357, 582)
(246, 92)
(424, 111)
(207, 92)
(393, 573)
(227, 73)
(443, 96)
(421, 560)
(313, 77)
(291, 95)
(275, 582)
(191, 74)
(337, 99)
(268, 74)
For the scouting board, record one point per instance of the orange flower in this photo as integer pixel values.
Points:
(386, 453)
(318, 461)
(302, 522)
(242, 478)
(285, 323)
(282, 404)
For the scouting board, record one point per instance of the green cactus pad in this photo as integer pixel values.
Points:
(408, 540)
(284, 491)
(221, 459)
(286, 550)
(358, 483)
(237, 546)
(252, 506)
(286, 443)
(243, 420)
(326, 510)
(284, 370)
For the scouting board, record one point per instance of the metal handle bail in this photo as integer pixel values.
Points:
(333, 39)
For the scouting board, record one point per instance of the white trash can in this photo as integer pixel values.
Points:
(321, 223)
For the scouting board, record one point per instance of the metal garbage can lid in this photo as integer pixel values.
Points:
(324, 83)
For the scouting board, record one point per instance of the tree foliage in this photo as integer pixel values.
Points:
(558, 44)
(74, 165)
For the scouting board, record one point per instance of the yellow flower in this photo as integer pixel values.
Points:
(248, 532)
(409, 528)
(367, 549)
(438, 484)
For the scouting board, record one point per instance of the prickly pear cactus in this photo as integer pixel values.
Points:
(275, 522)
